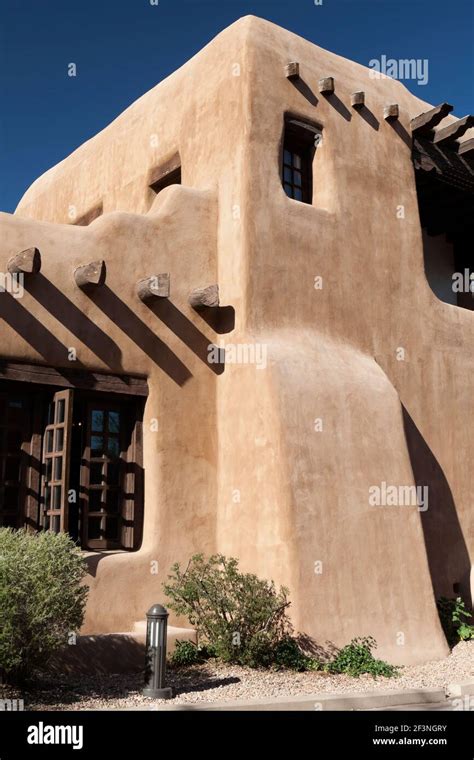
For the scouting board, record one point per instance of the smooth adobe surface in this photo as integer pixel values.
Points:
(237, 465)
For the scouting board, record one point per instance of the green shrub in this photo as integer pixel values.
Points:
(186, 654)
(454, 619)
(356, 658)
(241, 616)
(287, 654)
(41, 601)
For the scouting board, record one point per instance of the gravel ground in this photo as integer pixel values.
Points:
(217, 682)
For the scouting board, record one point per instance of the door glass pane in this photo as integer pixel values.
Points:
(57, 497)
(48, 469)
(112, 501)
(59, 438)
(49, 441)
(58, 468)
(12, 468)
(96, 473)
(113, 473)
(93, 527)
(97, 424)
(60, 407)
(95, 500)
(55, 523)
(111, 528)
(47, 497)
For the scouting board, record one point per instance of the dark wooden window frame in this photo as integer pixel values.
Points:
(298, 150)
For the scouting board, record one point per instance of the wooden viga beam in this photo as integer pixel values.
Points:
(202, 298)
(156, 286)
(90, 276)
(425, 122)
(25, 262)
(466, 148)
(453, 131)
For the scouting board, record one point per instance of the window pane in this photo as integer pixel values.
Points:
(287, 174)
(49, 441)
(288, 190)
(287, 157)
(96, 473)
(97, 420)
(48, 469)
(296, 161)
(113, 446)
(60, 407)
(297, 178)
(97, 445)
(114, 422)
(57, 491)
(58, 468)
(59, 439)
(298, 194)
(47, 497)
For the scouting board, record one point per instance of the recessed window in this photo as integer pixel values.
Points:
(168, 173)
(299, 146)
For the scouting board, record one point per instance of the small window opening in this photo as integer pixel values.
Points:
(165, 175)
(89, 216)
(299, 147)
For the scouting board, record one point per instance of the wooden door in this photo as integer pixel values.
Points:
(56, 462)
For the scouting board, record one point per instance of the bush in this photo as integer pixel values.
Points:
(241, 616)
(41, 601)
(356, 658)
(454, 616)
(186, 654)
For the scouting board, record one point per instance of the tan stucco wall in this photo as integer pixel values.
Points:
(236, 465)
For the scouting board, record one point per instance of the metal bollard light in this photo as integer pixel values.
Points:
(155, 664)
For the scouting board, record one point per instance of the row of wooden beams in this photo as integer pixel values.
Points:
(425, 122)
(93, 275)
(453, 131)
(466, 148)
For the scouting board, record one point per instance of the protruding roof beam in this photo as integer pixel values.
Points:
(157, 285)
(326, 85)
(358, 99)
(391, 112)
(25, 262)
(292, 70)
(425, 122)
(201, 298)
(466, 148)
(453, 131)
(90, 275)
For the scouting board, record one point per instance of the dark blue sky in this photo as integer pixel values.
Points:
(122, 48)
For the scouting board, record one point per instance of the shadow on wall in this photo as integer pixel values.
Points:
(448, 558)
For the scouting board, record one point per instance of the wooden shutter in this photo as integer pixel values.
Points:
(56, 462)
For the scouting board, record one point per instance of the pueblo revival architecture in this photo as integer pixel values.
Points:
(229, 324)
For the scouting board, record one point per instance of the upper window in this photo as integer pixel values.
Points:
(166, 174)
(299, 146)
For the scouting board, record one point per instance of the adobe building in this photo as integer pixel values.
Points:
(277, 201)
